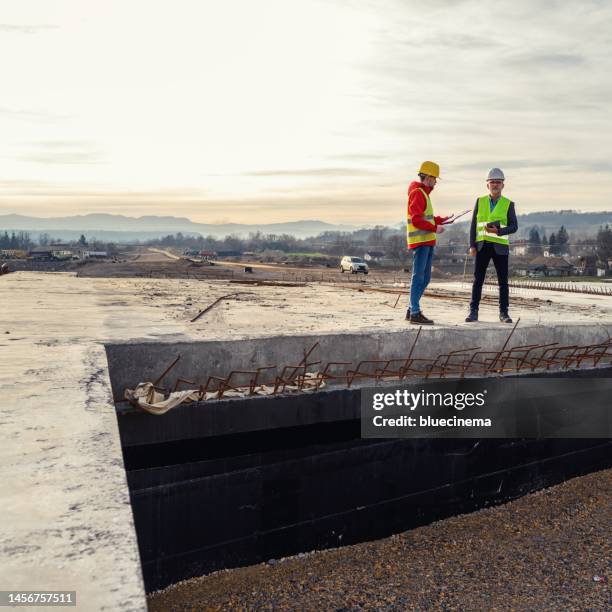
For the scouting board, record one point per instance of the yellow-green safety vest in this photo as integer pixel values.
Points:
(414, 235)
(486, 215)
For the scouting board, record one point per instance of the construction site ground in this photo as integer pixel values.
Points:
(66, 504)
(288, 299)
(550, 550)
(262, 304)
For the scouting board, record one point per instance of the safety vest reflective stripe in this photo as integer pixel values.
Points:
(490, 237)
(429, 218)
(416, 235)
(419, 232)
(483, 233)
(485, 216)
(484, 224)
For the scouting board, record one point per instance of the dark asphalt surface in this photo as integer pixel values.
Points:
(550, 550)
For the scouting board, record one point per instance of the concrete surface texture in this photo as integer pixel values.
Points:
(321, 308)
(135, 362)
(67, 522)
(66, 519)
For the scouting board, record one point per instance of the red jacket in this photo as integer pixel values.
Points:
(416, 210)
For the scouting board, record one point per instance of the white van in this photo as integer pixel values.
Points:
(353, 265)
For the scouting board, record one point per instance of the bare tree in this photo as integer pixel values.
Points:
(396, 249)
(377, 237)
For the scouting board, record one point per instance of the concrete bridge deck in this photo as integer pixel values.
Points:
(67, 521)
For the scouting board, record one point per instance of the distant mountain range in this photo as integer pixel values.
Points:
(570, 219)
(119, 228)
(124, 229)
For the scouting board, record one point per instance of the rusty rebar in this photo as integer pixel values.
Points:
(325, 375)
(165, 372)
(448, 356)
(284, 379)
(182, 381)
(505, 345)
(460, 362)
(351, 375)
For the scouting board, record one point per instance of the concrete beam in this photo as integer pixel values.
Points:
(133, 363)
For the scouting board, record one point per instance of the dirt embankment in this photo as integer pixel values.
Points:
(551, 550)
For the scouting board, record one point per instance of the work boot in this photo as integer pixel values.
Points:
(420, 319)
(504, 317)
(473, 316)
(408, 314)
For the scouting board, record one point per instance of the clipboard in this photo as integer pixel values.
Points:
(454, 217)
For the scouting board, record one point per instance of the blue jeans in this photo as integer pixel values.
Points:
(421, 275)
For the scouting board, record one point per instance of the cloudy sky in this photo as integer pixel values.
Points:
(283, 110)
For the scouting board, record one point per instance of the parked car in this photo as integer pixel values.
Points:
(353, 265)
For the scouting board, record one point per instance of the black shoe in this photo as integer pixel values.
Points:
(473, 316)
(408, 314)
(420, 319)
(504, 317)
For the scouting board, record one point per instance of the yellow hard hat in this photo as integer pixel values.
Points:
(430, 168)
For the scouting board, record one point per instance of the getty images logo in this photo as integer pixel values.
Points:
(426, 399)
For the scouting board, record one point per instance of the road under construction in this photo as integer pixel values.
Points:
(260, 457)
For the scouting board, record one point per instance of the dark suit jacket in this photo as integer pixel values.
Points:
(500, 249)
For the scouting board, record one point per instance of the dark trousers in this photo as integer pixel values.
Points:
(483, 257)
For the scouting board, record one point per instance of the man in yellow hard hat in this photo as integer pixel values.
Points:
(421, 229)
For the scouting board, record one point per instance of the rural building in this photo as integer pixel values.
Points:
(41, 253)
(12, 254)
(603, 269)
(587, 265)
(520, 248)
(375, 256)
(59, 252)
(545, 266)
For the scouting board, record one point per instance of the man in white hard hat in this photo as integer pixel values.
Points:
(493, 220)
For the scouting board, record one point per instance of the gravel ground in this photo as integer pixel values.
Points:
(550, 550)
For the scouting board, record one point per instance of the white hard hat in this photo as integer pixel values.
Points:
(495, 174)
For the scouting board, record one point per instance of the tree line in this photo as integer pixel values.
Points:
(555, 244)
(391, 242)
(20, 241)
(559, 243)
(604, 243)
